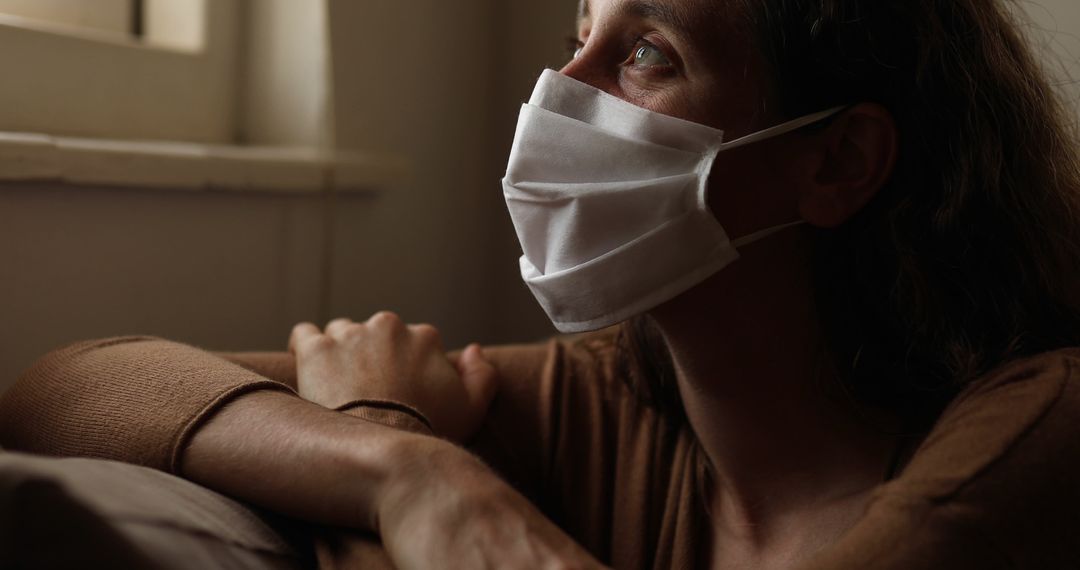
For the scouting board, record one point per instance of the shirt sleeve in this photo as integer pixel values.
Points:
(994, 485)
(550, 395)
(132, 399)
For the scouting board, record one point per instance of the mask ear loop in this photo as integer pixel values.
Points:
(762, 234)
(766, 134)
(781, 129)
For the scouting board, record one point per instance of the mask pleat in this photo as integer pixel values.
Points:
(632, 213)
(561, 150)
(566, 96)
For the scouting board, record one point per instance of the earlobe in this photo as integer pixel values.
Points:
(852, 159)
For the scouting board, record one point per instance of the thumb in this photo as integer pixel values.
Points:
(478, 377)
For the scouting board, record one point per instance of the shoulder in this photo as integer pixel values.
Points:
(1023, 411)
(578, 361)
(1003, 462)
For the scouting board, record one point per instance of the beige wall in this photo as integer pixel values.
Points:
(1055, 30)
(223, 270)
(447, 96)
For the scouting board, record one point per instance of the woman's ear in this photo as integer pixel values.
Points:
(852, 159)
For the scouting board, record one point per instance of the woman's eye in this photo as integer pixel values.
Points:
(648, 55)
(574, 47)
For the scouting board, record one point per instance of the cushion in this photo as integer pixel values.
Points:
(87, 513)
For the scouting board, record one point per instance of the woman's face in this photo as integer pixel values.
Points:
(677, 57)
(691, 59)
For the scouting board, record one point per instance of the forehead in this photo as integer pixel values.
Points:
(684, 14)
(701, 22)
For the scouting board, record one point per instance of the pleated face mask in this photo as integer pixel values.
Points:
(609, 203)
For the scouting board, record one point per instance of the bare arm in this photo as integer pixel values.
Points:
(278, 451)
(429, 500)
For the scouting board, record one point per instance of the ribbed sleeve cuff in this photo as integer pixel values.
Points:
(389, 413)
(183, 437)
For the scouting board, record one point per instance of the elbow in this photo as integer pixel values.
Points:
(52, 401)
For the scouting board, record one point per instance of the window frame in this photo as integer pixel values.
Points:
(126, 88)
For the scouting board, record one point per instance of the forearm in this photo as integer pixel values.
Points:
(429, 500)
(514, 429)
(277, 451)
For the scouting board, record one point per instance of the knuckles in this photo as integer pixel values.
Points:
(388, 320)
(426, 333)
(338, 324)
(378, 326)
(316, 343)
(299, 328)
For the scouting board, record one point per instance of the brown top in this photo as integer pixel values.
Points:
(993, 486)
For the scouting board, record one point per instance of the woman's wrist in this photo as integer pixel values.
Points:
(425, 474)
(443, 503)
(297, 458)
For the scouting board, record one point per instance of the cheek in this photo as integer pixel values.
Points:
(748, 191)
(698, 101)
(667, 101)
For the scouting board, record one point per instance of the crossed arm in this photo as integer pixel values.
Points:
(428, 498)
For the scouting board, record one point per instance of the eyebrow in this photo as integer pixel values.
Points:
(645, 9)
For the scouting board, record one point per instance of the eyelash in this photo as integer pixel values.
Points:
(642, 43)
(573, 45)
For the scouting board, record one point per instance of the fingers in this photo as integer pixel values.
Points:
(384, 326)
(338, 327)
(427, 335)
(386, 322)
(479, 377)
(301, 333)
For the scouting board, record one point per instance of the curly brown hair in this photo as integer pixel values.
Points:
(970, 255)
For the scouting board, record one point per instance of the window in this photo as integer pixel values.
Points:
(176, 24)
(132, 69)
(111, 16)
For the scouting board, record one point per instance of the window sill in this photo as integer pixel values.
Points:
(28, 157)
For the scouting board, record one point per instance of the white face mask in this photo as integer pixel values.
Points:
(609, 203)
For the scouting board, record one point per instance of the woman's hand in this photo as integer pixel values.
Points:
(444, 508)
(385, 359)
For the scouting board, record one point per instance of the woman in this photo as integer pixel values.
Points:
(887, 385)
